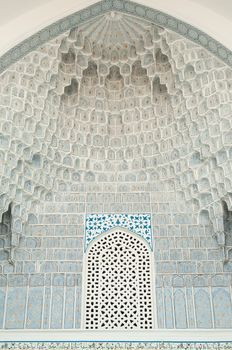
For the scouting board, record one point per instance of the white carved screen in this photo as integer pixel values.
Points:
(119, 283)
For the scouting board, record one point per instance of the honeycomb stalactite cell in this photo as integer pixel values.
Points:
(126, 124)
(116, 99)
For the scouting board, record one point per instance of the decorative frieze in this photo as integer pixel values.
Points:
(117, 345)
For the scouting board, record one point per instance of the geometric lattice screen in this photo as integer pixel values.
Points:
(119, 283)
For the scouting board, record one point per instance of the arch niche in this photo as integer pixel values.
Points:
(118, 282)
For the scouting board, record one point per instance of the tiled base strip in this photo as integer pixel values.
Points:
(188, 339)
(115, 345)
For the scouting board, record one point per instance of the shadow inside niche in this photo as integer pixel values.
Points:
(227, 222)
(5, 234)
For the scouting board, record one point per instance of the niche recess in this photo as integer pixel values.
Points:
(5, 235)
(227, 222)
(118, 282)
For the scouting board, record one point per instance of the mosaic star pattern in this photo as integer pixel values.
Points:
(99, 223)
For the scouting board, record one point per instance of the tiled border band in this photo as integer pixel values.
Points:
(116, 345)
(129, 7)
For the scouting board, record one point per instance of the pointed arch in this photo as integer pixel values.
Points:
(118, 282)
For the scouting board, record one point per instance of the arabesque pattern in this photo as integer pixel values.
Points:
(121, 346)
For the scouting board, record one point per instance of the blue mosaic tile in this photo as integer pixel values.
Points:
(99, 223)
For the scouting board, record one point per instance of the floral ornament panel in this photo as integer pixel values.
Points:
(99, 223)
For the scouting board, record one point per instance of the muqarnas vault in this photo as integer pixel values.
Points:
(127, 123)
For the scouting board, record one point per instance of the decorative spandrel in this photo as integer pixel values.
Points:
(99, 223)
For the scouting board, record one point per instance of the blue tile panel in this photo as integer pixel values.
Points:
(99, 223)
